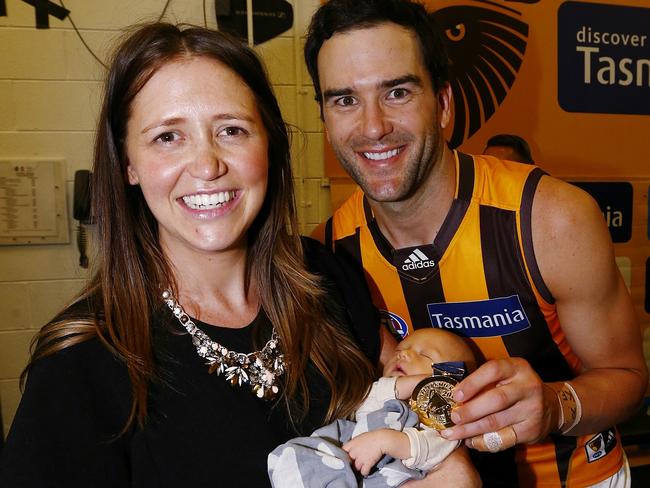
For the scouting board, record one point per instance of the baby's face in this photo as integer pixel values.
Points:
(414, 355)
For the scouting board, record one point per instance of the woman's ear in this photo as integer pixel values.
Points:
(132, 175)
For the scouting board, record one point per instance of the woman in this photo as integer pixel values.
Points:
(210, 332)
(193, 200)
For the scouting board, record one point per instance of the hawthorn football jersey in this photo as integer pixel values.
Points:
(479, 279)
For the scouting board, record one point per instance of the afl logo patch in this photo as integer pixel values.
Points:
(600, 445)
(395, 324)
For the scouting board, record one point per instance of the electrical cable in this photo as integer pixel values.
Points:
(83, 41)
(162, 14)
(81, 245)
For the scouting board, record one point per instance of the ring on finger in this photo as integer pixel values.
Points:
(501, 439)
(493, 441)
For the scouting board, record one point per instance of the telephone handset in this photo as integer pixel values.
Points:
(81, 211)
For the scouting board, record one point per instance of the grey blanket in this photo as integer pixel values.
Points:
(319, 461)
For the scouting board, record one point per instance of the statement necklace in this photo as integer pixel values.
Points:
(261, 369)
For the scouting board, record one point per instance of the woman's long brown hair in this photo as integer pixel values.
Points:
(124, 292)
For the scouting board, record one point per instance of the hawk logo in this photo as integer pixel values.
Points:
(486, 42)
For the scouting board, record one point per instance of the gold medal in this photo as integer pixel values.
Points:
(432, 401)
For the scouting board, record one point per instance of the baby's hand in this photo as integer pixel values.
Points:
(406, 384)
(366, 449)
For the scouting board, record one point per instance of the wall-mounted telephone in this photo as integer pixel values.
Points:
(81, 211)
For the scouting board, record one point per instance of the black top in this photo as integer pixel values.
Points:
(200, 430)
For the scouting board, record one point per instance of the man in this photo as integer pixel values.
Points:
(518, 262)
(510, 147)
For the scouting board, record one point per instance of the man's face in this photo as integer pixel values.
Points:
(382, 117)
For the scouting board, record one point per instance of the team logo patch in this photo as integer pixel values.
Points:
(483, 318)
(600, 445)
(415, 263)
(395, 324)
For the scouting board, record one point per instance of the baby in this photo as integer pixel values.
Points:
(386, 434)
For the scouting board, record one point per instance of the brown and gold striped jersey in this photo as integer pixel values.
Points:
(479, 279)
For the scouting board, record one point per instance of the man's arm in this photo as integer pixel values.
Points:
(575, 257)
(457, 471)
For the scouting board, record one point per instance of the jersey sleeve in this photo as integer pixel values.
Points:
(65, 429)
(348, 296)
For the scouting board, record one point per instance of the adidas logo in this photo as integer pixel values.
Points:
(417, 260)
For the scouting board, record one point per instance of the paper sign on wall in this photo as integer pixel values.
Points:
(32, 202)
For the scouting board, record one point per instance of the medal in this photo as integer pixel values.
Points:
(432, 397)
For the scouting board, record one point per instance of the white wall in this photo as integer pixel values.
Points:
(50, 88)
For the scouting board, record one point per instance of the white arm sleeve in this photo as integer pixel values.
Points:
(428, 449)
(381, 391)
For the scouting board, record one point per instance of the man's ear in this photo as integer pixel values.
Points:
(327, 134)
(444, 100)
(132, 175)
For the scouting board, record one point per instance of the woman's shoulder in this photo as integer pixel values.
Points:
(76, 383)
(70, 351)
(76, 365)
(76, 400)
(71, 336)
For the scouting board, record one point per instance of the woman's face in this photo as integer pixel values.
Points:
(197, 147)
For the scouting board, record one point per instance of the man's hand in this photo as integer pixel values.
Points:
(575, 256)
(502, 393)
(367, 449)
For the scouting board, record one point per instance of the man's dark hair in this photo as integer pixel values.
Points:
(516, 143)
(338, 16)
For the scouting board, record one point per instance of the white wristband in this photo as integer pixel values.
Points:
(578, 408)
